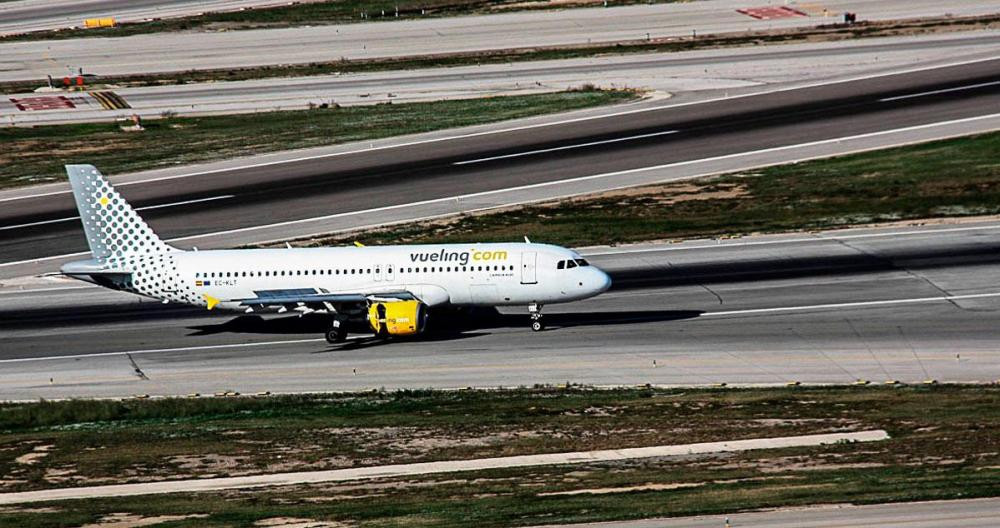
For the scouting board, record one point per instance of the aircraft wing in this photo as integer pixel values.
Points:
(318, 299)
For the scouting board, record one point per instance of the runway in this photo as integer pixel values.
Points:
(938, 514)
(473, 171)
(200, 50)
(685, 76)
(901, 303)
(34, 15)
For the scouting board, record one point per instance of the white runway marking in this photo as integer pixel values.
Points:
(147, 208)
(519, 128)
(858, 304)
(461, 197)
(470, 196)
(935, 92)
(567, 147)
(750, 311)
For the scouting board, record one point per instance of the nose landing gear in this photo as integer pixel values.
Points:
(535, 312)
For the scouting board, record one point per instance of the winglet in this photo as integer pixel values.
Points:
(526, 241)
(210, 301)
(358, 244)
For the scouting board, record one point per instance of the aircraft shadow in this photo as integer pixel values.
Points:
(448, 324)
(488, 318)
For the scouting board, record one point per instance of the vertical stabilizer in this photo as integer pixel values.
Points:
(113, 228)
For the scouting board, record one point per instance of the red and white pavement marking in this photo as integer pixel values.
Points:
(771, 12)
(46, 102)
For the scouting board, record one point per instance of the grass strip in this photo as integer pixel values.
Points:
(823, 33)
(949, 178)
(945, 444)
(36, 155)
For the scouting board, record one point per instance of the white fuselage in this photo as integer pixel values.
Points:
(458, 274)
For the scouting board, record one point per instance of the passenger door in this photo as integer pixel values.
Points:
(528, 272)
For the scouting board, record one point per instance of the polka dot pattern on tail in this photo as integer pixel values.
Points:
(112, 227)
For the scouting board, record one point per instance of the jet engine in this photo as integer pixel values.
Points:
(397, 318)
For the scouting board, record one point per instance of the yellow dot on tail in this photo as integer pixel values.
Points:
(104, 201)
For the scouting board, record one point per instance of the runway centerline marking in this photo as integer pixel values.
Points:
(750, 311)
(581, 179)
(522, 127)
(567, 147)
(936, 92)
(915, 300)
(147, 208)
(459, 198)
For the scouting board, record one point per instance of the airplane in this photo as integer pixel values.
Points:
(387, 289)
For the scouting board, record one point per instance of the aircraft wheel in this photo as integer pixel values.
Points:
(537, 325)
(335, 335)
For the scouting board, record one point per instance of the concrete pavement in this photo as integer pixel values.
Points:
(186, 51)
(686, 76)
(34, 15)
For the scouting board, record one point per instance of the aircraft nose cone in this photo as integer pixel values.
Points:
(603, 281)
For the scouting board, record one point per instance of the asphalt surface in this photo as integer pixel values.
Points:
(685, 75)
(35, 15)
(939, 514)
(317, 187)
(184, 51)
(906, 303)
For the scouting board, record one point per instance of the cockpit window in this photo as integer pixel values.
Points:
(582, 262)
(570, 264)
(561, 264)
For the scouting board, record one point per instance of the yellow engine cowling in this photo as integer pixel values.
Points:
(397, 318)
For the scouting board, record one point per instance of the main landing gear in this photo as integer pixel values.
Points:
(535, 312)
(337, 332)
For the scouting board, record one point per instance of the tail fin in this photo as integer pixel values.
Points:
(112, 227)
